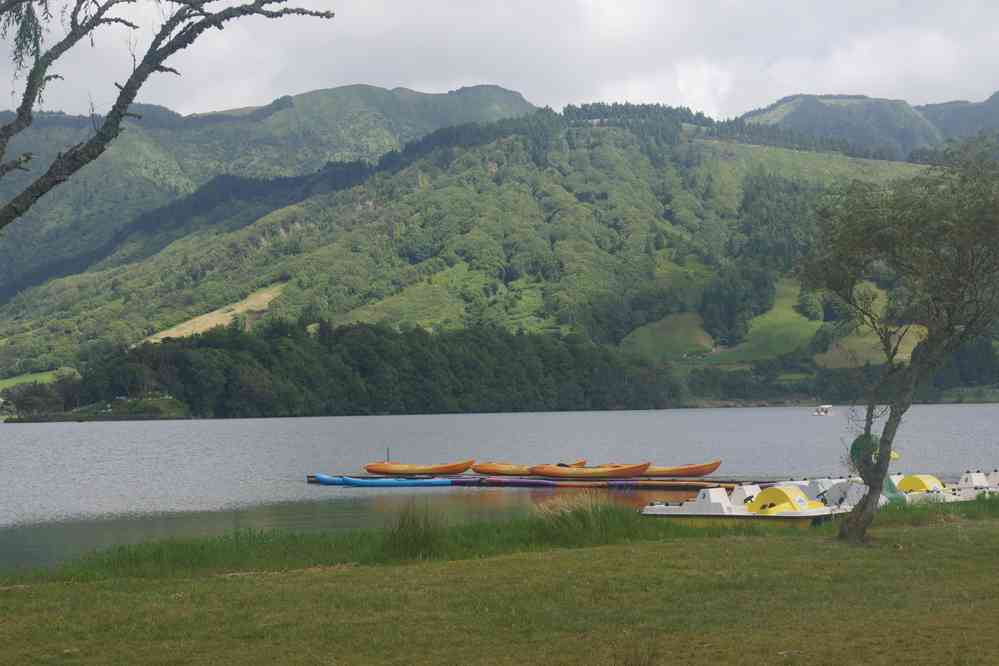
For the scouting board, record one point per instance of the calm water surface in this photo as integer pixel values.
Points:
(67, 488)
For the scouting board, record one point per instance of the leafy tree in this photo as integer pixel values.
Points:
(938, 235)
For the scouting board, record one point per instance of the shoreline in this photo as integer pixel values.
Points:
(693, 404)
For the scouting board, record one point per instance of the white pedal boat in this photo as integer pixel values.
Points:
(777, 505)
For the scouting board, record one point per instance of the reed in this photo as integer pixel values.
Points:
(930, 513)
(575, 521)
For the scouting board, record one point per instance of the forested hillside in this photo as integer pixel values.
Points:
(162, 156)
(964, 119)
(886, 129)
(598, 221)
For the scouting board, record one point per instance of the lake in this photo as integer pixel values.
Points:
(66, 488)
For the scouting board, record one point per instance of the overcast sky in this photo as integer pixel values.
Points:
(720, 57)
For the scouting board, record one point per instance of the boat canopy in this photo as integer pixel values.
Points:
(782, 499)
(920, 483)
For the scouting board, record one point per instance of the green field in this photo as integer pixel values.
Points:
(668, 339)
(779, 331)
(40, 377)
(916, 594)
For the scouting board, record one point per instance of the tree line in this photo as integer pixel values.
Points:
(284, 370)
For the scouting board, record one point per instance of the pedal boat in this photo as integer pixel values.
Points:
(601, 472)
(389, 468)
(786, 506)
(508, 469)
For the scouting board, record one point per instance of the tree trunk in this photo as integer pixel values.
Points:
(854, 527)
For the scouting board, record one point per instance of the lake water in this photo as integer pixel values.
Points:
(67, 488)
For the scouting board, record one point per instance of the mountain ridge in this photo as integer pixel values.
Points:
(163, 156)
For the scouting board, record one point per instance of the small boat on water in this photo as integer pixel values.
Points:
(601, 472)
(778, 505)
(508, 469)
(823, 410)
(390, 468)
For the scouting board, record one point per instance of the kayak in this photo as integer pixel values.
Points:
(702, 469)
(394, 483)
(603, 472)
(395, 468)
(507, 469)
(327, 480)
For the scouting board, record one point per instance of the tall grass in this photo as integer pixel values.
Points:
(579, 521)
(931, 513)
(415, 535)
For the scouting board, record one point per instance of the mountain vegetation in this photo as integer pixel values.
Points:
(162, 156)
(886, 129)
(963, 119)
(665, 238)
(544, 223)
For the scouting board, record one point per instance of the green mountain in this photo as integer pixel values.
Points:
(600, 221)
(888, 129)
(163, 156)
(963, 119)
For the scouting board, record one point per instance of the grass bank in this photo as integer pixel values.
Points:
(582, 520)
(916, 595)
(579, 521)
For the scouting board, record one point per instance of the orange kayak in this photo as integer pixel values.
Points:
(702, 469)
(507, 469)
(602, 472)
(390, 468)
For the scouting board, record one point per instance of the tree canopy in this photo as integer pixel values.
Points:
(933, 242)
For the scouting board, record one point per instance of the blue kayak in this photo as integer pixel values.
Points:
(327, 480)
(394, 483)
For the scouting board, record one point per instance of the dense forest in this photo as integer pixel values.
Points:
(283, 370)
(293, 369)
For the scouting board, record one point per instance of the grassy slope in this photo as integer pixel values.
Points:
(794, 599)
(862, 346)
(253, 305)
(40, 377)
(776, 332)
(667, 339)
(736, 160)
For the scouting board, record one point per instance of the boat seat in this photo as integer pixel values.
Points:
(974, 480)
(744, 494)
(713, 500)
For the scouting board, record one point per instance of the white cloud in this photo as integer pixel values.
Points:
(720, 57)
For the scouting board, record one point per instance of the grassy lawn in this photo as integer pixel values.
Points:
(41, 377)
(923, 592)
(776, 332)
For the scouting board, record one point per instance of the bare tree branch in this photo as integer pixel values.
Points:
(180, 30)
